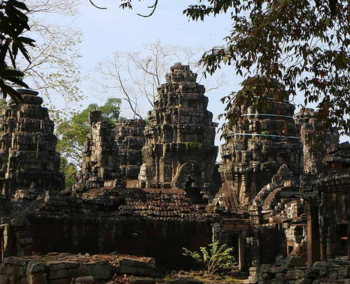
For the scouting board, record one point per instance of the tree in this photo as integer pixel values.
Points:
(13, 23)
(69, 170)
(218, 257)
(135, 76)
(304, 45)
(72, 133)
(54, 69)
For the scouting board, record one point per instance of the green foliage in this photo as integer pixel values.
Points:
(13, 23)
(302, 44)
(193, 145)
(305, 45)
(72, 133)
(197, 146)
(218, 257)
(69, 171)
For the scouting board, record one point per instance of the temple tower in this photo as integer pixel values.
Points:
(256, 148)
(29, 162)
(179, 150)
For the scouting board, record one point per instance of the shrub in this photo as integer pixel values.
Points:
(218, 257)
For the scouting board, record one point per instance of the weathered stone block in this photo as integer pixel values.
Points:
(333, 274)
(142, 280)
(58, 274)
(37, 278)
(34, 267)
(265, 268)
(71, 264)
(101, 271)
(293, 260)
(185, 280)
(149, 263)
(139, 271)
(295, 274)
(55, 265)
(85, 280)
(60, 281)
(344, 271)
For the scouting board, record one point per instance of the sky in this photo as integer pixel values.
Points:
(113, 29)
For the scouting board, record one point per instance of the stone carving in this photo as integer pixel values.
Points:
(179, 150)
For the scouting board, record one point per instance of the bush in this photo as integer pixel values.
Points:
(218, 257)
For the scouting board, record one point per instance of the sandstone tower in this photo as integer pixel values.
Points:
(179, 150)
(256, 148)
(29, 163)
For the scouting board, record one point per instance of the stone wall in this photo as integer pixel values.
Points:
(66, 268)
(162, 238)
(292, 271)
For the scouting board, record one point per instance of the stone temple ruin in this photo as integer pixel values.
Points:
(283, 198)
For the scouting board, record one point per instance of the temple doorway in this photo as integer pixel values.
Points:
(193, 192)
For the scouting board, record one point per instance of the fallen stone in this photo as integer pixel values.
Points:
(293, 261)
(344, 271)
(34, 267)
(85, 280)
(142, 280)
(58, 274)
(37, 278)
(185, 280)
(55, 265)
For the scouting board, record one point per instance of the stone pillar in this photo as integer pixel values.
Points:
(242, 248)
(313, 234)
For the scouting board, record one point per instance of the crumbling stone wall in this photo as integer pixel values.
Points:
(179, 150)
(29, 164)
(292, 270)
(100, 163)
(68, 268)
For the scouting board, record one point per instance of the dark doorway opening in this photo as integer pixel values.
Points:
(343, 239)
(193, 193)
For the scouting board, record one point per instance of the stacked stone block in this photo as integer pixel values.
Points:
(130, 141)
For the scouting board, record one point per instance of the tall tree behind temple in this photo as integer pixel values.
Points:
(54, 70)
(72, 132)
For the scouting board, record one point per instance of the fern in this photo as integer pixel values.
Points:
(218, 257)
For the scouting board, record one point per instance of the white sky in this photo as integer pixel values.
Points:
(114, 29)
